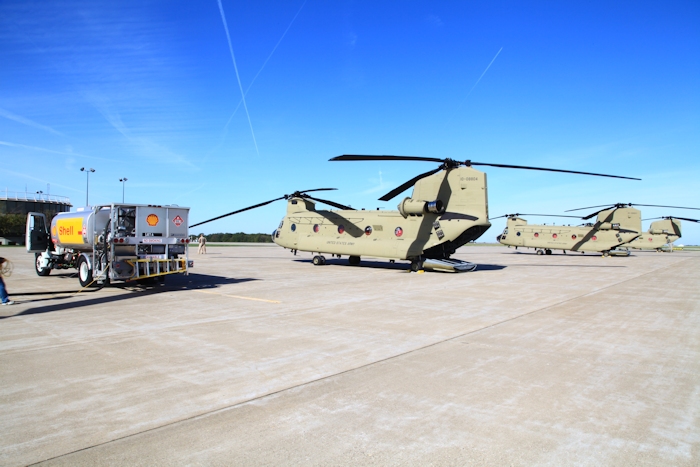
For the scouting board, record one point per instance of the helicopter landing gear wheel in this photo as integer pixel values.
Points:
(548, 251)
(84, 272)
(354, 260)
(606, 254)
(318, 260)
(540, 252)
(416, 265)
(38, 266)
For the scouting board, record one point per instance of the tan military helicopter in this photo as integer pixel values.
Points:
(448, 208)
(615, 227)
(661, 234)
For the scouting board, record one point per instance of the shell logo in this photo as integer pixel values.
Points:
(152, 220)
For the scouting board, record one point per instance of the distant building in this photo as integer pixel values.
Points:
(14, 207)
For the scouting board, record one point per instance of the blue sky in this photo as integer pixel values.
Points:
(148, 91)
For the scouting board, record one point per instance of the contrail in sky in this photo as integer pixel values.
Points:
(265, 63)
(240, 86)
(482, 75)
(26, 121)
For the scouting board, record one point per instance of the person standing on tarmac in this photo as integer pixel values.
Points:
(202, 245)
(3, 291)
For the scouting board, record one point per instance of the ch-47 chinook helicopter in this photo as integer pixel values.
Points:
(448, 208)
(660, 234)
(616, 227)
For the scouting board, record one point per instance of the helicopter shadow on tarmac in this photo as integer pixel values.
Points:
(401, 267)
(176, 283)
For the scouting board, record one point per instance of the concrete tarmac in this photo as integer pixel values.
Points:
(260, 358)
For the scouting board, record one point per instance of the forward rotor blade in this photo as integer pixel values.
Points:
(317, 189)
(508, 166)
(405, 186)
(331, 203)
(361, 157)
(236, 212)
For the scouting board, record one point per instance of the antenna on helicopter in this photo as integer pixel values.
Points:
(446, 164)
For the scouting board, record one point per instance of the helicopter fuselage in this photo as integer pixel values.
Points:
(660, 233)
(613, 228)
(445, 211)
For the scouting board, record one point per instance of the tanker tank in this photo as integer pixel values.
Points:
(72, 229)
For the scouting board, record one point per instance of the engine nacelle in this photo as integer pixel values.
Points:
(410, 206)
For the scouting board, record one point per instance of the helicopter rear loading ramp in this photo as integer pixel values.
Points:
(256, 359)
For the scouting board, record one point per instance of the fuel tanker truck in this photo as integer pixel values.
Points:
(114, 242)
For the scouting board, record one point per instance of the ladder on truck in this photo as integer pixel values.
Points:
(156, 267)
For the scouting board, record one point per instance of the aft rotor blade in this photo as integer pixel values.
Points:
(236, 212)
(362, 157)
(591, 207)
(331, 203)
(508, 166)
(685, 219)
(596, 213)
(530, 214)
(659, 206)
(408, 184)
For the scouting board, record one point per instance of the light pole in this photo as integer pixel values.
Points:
(123, 180)
(87, 187)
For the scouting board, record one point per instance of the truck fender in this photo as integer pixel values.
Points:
(87, 258)
(45, 258)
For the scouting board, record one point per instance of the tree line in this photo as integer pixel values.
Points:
(12, 225)
(237, 237)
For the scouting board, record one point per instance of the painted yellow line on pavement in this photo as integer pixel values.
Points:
(238, 296)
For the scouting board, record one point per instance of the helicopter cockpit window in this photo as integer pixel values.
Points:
(505, 232)
(281, 224)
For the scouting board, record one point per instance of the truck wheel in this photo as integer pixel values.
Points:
(40, 270)
(84, 272)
